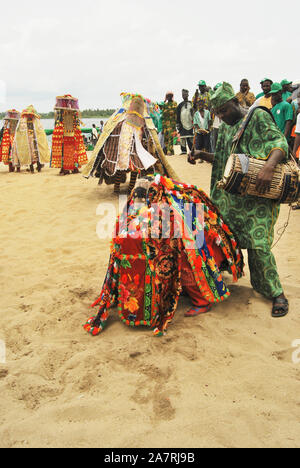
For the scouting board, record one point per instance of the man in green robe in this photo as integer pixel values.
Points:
(169, 121)
(252, 219)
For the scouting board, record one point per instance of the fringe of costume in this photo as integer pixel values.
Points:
(144, 276)
(68, 151)
(57, 145)
(81, 157)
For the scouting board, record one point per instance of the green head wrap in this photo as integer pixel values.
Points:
(222, 95)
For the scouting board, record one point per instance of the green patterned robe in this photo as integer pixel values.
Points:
(252, 219)
(169, 121)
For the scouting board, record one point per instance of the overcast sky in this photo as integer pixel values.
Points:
(97, 49)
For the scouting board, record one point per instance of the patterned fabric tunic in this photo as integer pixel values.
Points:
(246, 99)
(251, 218)
(202, 97)
(169, 120)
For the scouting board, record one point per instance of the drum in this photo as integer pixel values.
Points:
(241, 173)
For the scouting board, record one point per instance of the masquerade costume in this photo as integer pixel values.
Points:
(7, 136)
(30, 144)
(68, 149)
(149, 269)
(128, 144)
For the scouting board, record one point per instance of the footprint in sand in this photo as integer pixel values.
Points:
(162, 407)
(3, 373)
(186, 345)
(283, 355)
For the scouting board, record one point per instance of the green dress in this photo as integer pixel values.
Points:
(252, 219)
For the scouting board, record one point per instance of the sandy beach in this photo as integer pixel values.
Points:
(224, 379)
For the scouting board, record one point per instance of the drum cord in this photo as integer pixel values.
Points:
(282, 230)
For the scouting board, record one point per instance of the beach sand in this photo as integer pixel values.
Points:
(224, 379)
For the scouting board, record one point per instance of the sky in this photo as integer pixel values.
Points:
(97, 49)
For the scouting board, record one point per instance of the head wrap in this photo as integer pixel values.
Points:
(223, 94)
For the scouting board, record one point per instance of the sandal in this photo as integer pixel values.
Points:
(194, 311)
(280, 305)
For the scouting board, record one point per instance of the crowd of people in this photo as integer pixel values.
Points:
(198, 125)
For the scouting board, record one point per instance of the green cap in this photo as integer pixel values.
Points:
(223, 94)
(276, 88)
(202, 83)
(266, 79)
(285, 82)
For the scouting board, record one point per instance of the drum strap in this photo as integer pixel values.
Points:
(237, 138)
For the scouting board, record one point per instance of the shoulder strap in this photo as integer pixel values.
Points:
(246, 122)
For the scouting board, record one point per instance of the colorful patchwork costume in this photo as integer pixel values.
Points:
(30, 144)
(7, 136)
(128, 144)
(68, 149)
(149, 269)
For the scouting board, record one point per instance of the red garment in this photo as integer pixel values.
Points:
(294, 135)
(189, 284)
(188, 281)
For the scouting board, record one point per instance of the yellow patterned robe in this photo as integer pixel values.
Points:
(22, 148)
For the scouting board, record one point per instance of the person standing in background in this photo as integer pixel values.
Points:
(245, 97)
(282, 111)
(202, 126)
(185, 122)
(286, 89)
(169, 119)
(201, 94)
(264, 99)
